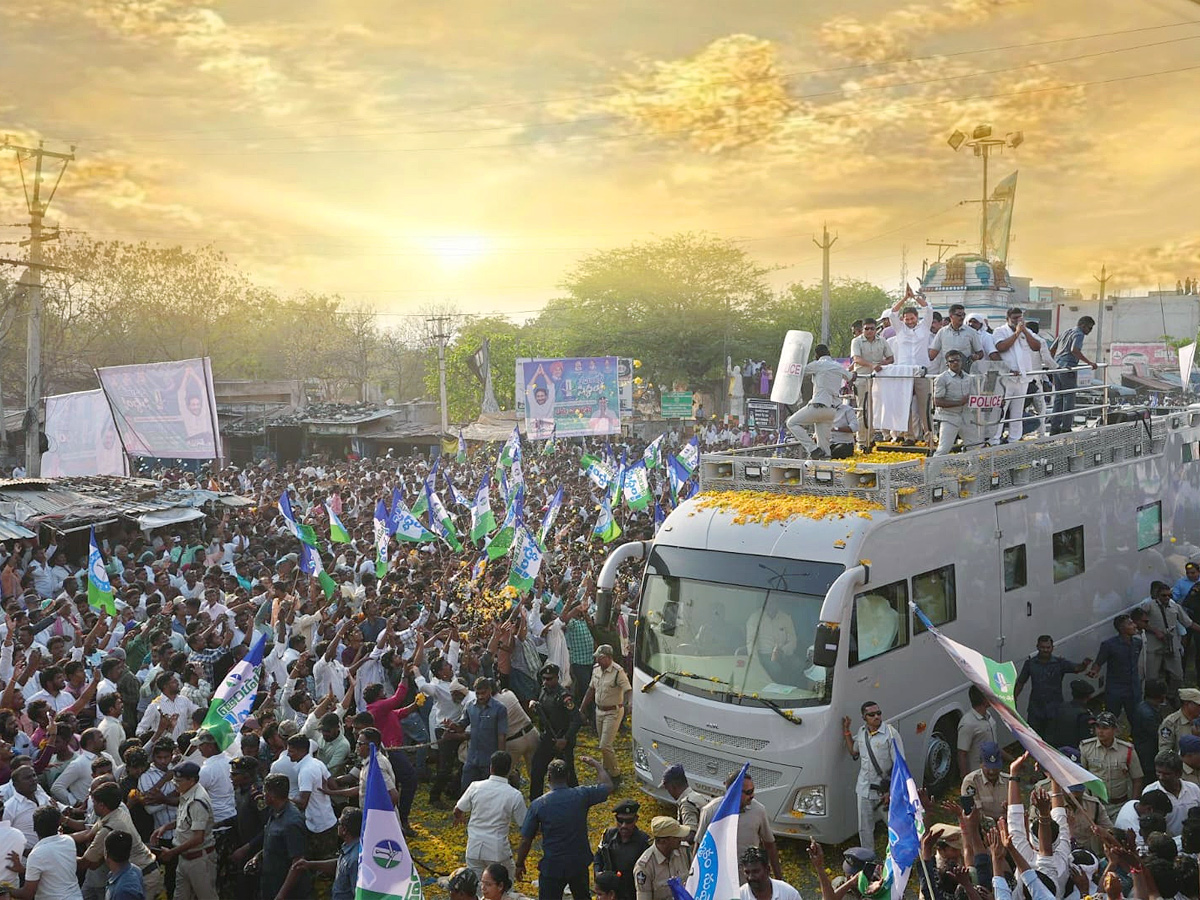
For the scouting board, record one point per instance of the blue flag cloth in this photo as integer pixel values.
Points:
(659, 516)
(906, 824)
(385, 867)
(715, 871)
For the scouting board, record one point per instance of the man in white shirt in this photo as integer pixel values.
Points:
(72, 786)
(759, 885)
(27, 797)
(329, 673)
(1019, 348)
(111, 708)
(1184, 795)
(11, 841)
(828, 376)
(50, 869)
(494, 806)
(910, 347)
(168, 703)
(312, 779)
(216, 777)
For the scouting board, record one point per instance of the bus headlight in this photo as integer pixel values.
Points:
(640, 758)
(810, 800)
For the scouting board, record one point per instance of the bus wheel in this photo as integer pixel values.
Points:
(939, 760)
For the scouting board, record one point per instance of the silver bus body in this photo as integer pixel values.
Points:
(1056, 535)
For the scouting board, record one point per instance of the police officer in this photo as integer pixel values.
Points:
(1179, 723)
(621, 848)
(559, 723)
(662, 861)
(688, 802)
(248, 826)
(985, 786)
(196, 876)
(1114, 761)
(1083, 809)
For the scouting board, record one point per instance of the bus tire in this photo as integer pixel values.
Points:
(941, 763)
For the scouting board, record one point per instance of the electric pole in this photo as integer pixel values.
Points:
(441, 337)
(33, 283)
(825, 243)
(1102, 279)
(942, 246)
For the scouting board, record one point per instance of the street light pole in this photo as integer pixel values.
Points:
(982, 142)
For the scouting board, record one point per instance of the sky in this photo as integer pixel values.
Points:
(404, 154)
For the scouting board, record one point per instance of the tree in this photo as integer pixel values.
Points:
(679, 304)
(799, 307)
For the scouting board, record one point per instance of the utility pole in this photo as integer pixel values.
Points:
(33, 282)
(942, 247)
(442, 337)
(1102, 279)
(825, 243)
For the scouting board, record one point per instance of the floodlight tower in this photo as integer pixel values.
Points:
(982, 142)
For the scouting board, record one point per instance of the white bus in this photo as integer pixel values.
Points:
(997, 546)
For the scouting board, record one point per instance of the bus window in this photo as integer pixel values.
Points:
(1014, 568)
(879, 622)
(1149, 525)
(1068, 553)
(933, 592)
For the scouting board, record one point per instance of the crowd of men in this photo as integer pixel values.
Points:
(939, 363)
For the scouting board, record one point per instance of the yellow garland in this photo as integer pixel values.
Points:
(765, 507)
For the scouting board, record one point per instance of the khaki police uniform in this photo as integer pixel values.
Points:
(651, 871)
(1117, 766)
(992, 799)
(1190, 774)
(1173, 727)
(609, 691)
(1085, 809)
(687, 809)
(196, 876)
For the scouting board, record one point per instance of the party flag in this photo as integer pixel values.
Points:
(659, 516)
(311, 564)
(422, 505)
(440, 520)
(526, 561)
(456, 496)
(337, 531)
(502, 540)
(551, 515)
(606, 528)
(382, 534)
(552, 442)
(511, 451)
(100, 592)
(690, 455)
(483, 520)
(599, 471)
(652, 456)
(407, 527)
(906, 824)
(715, 869)
(385, 865)
(637, 486)
(302, 533)
(461, 454)
(231, 703)
(678, 475)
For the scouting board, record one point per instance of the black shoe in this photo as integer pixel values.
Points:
(818, 453)
(408, 832)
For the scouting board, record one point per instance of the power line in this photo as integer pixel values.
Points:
(683, 131)
(594, 120)
(145, 135)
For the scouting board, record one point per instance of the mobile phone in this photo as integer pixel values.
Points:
(967, 803)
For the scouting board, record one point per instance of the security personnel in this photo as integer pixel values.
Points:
(688, 802)
(1189, 752)
(609, 691)
(664, 860)
(251, 817)
(559, 723)
(1083, 809)
(621, 848)
(1114, 761)
(1179, 723)
(985, 784)
(196, 876)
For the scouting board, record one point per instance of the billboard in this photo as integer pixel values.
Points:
(571, 397)
(1140, 359)
(676, 404)
(624, 382)
(762, 415)
(166, 410)
(82, 436)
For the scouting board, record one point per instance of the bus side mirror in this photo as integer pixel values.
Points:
(825, 644)
(604, 607)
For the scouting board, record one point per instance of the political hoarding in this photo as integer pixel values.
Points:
(82, 436)
(624, 382)
(571, 397)
(166, 410)
(676, 404)
(762, 414)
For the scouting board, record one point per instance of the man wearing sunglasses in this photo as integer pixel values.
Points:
(621, 848)
(871, 748)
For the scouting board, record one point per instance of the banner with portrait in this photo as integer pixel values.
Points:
(571, 397)
(166, 410)
(82, 436)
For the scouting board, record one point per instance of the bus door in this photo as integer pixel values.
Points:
(1017, 600)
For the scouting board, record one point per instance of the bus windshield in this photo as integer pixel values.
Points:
(737, 642)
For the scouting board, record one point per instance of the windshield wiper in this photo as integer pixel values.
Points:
(728, 691)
